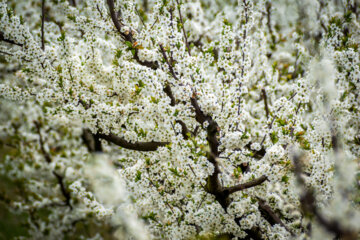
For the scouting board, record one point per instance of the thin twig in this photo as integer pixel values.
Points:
(41, 141)
(168, 62)
(42, 24)
(265, 102)
(183, 28)
(59, 178)
(64, 192)
(141, 19)
(6, 53)
(2, 38)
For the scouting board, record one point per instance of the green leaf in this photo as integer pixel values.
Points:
(151, 216)
(274, 137)
(138, 176)
(118, 53)
(129, 44)
(62, 37)
(175, 172)
(285, 179)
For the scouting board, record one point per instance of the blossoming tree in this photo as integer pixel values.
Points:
(174, 119)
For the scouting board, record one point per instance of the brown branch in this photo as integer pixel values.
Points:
(309, 207)
(199, 114)
(275, 116)
(128, 36)
(139, 146)
(140, 17)
(197, 43)
(246, 6)
(48, 159)
(268, 22)
(335, 143)
(101, 15)
(115, 20)
(168, 62)
(169, 93)
(265, 102)
(246, 185)
(253, 234)
(72, 3)
(6, 53)
(64, 192)
(42, 24)
(270, 215)
(2, 38)
(268, 15)
(183, 28)
(213, 186)
(92, 141)
(41, 141)
(185, 131)
(146, 5)
(293, 75)
(258, 154)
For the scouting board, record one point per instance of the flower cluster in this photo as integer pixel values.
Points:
(179, 119)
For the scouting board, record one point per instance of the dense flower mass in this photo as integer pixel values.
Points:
(180, 119)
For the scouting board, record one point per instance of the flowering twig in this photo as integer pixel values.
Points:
(265, 102)
(42, 24)
(168, 62)
(270, 215)
(183, 28)
(2, 38)
(128, 36)
(59, 178)
(139, 146)
(308, 204)
(246, 185)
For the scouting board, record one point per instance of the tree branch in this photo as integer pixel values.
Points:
(41, 141)
(183, 28)
(42, 24)
(2, 38)
(199, 114)
(169, 93)
(139, 146)
(265, 102)
(48, 159)
(91, 141)
(185, 131)
(128, 36)
(308, 205)
(72, 3)
(64, 192)
(168, 62)
(246, 185)
(253, 233)
(115, 20)
(213, 186)
(270, 215)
